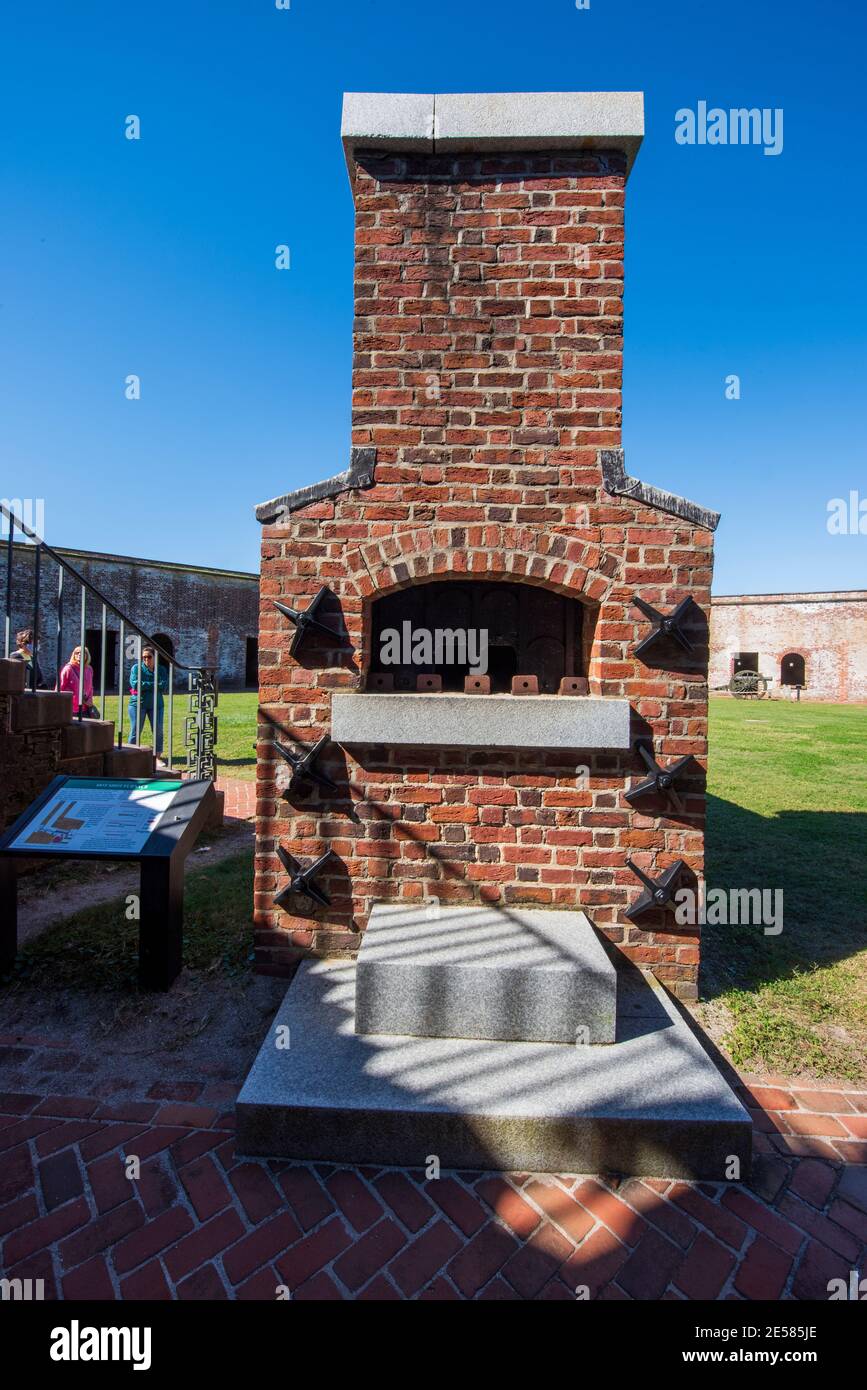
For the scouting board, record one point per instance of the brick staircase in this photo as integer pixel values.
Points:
(40, 739)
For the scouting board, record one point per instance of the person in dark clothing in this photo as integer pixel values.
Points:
(24, 651)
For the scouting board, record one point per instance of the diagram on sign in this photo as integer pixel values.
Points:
(87, 817)
(56, 827)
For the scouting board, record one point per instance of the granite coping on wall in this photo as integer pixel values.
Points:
(487, 122)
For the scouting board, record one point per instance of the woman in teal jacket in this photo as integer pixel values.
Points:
(141, 687)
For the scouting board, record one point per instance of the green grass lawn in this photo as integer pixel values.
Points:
(98, 947)
(787, 808)
(236, 730)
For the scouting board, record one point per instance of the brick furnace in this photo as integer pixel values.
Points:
(409, 782)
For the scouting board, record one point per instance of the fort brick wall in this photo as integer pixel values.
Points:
(829, 630)
(209, 615)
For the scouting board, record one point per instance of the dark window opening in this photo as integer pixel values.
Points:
(251, 664)
(93, 642)
(502, 666)
(745, 661)
(163, 640)
(529, 630)
(793, 670)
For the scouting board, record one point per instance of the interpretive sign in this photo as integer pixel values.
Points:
(88, 816)
(152, 820)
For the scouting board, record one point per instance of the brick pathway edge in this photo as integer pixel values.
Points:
(147, 1199)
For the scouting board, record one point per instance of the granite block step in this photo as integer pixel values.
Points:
(129, 761)
(653, 1103)
(510, 974)
(41, 709)
(86, 736)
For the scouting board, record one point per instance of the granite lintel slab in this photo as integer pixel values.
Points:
(446, 720)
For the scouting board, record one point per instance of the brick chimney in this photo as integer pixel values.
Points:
(486, 489)
(489, 294)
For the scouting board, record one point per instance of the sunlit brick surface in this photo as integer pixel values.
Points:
(202, 1223)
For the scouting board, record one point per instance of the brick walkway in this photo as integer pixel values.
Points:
(202, 1223)
(240, 797)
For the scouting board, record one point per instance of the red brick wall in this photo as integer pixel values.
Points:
(28, 761)
(487, 375)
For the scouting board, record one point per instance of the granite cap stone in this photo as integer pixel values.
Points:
(470, 121)
(476, 122)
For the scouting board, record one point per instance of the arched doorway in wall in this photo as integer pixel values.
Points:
(793, 669)
(163, 640)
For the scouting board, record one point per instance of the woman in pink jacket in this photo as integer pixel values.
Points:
(70, 679)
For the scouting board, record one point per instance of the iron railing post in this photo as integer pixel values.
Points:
(81, 650)
(37, 581)
(10, 516)
(59, 654)
(120, 669)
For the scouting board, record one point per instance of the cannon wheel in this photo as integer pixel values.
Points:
(748, 685)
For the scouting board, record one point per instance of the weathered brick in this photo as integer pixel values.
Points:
(44, 1231)
(358, 1204)
(511, 1207)
(203, 1243)
(258, 1195)
(60, 1179)
(372, 1250)
(205, 1186)
(461, 1206)
(409, 1205)
(480, 1259)
(263, 1244)
(309, 1255)
(154, 1237)
(89, 1282)
(650, 1268)
(203, 1286)
(424, 1257)
(101, 1233)
(537, 1261)
(594, 1264)
(705, 1269)
(305, 1196)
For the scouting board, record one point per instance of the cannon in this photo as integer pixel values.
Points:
(747, 685)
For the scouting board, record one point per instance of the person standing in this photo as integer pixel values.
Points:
(142, 679)
(24, 651)
(71, 679)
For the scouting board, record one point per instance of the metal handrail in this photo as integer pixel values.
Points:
(199, 678)
(97, 593)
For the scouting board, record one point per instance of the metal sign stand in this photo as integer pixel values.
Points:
(161, 898)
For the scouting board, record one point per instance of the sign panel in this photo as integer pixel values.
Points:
(89, 816)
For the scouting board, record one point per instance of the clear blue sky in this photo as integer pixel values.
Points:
(157, 257)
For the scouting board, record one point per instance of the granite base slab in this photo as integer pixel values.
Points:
(652, 1103)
